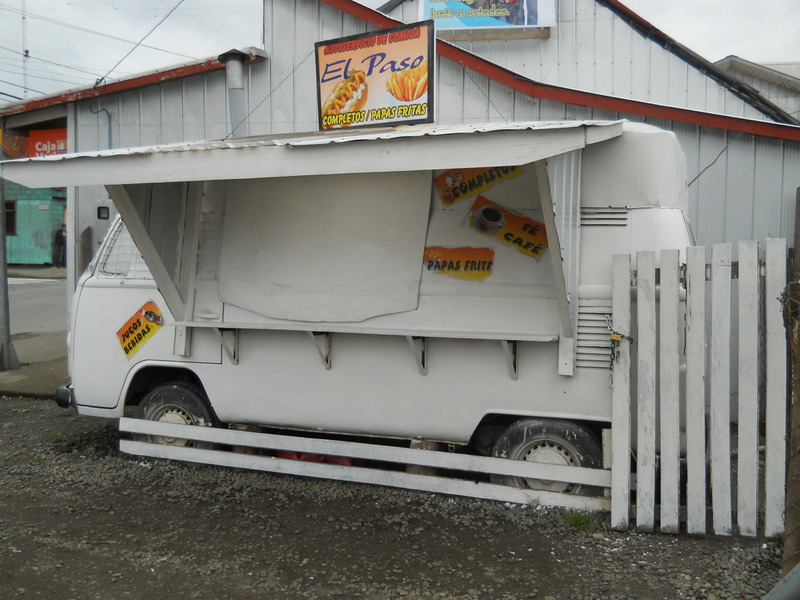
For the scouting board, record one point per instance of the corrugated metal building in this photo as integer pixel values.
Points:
(600, 62)
(781, 88)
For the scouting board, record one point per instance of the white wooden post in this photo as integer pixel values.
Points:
(695, 390)
(747, 450)
(669, 392)
(720, 388)
(646, 391)
(776, 389)
(621, 395)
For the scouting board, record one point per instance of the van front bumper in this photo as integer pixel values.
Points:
(65, 396)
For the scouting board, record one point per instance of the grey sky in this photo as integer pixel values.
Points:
(758, 31)
(72, 43)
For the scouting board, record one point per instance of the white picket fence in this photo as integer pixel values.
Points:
(676, 406)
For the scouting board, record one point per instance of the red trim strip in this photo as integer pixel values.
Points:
(206, 66)
(570, 96)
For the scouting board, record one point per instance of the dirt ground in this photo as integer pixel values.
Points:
(79, 520)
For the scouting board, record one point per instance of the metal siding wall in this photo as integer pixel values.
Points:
(280, 49)
(621, 58)
(150, 117)
(90, 133)
(739, 163)
(259, 99)
(191, 98)
(603, 46)
(769, 206)
(709, 219)
(216, 105)
(129, 116)
(304, 64)
(172, 117)
(449, 92)
(791, 181)
(567, 43)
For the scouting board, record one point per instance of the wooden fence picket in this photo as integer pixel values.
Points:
(696, 390)
(669, 392)
(775, 479)
(621, 394)
(747, 449)
(646, 391)
(719, 383)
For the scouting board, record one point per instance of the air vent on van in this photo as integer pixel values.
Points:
(604, 217)
(594, 341)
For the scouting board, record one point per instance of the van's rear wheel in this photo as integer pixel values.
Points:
(177, 402)
(550, 441)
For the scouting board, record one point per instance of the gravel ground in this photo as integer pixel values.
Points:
(79, 520)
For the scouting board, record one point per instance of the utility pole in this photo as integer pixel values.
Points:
(8, 356)
(791, 538)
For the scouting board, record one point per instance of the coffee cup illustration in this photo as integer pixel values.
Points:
(488, 219)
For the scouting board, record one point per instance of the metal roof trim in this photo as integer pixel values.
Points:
(433, 130)
(320, 138)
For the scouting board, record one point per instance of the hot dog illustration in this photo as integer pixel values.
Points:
(349, 95)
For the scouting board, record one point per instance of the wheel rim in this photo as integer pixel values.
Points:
(178, 416)
(550, 452)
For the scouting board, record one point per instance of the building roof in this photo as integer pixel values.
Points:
(791, 68)
(121, 85)
(785, 127)
(739, 88)
(763, 72)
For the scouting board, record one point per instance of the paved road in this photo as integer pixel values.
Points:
(38, 305)
(39, 318)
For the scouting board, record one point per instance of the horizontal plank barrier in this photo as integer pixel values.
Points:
(463, 486)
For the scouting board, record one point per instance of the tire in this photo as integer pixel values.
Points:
(551, 441)
(176, 402)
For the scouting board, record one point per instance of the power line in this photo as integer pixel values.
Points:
(157, 25)
(20, 86)
(99, 33)
(44, 60)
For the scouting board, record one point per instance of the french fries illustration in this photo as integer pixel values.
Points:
(409, 84)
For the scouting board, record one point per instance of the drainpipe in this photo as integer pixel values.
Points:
(234, 75)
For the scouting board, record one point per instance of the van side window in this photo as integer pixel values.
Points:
(121, 258)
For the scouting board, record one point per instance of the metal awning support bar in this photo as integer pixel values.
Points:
(322, 342)
(122, 200)
(419, 348)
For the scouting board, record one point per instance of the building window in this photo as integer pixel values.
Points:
(11, 218)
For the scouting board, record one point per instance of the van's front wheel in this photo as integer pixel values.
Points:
(177, 402)
(550, 441)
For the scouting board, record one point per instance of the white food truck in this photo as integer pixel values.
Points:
(441, 283)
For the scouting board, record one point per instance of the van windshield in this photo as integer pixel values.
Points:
(121, 258)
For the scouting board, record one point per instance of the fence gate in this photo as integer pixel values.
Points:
(674, 369)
